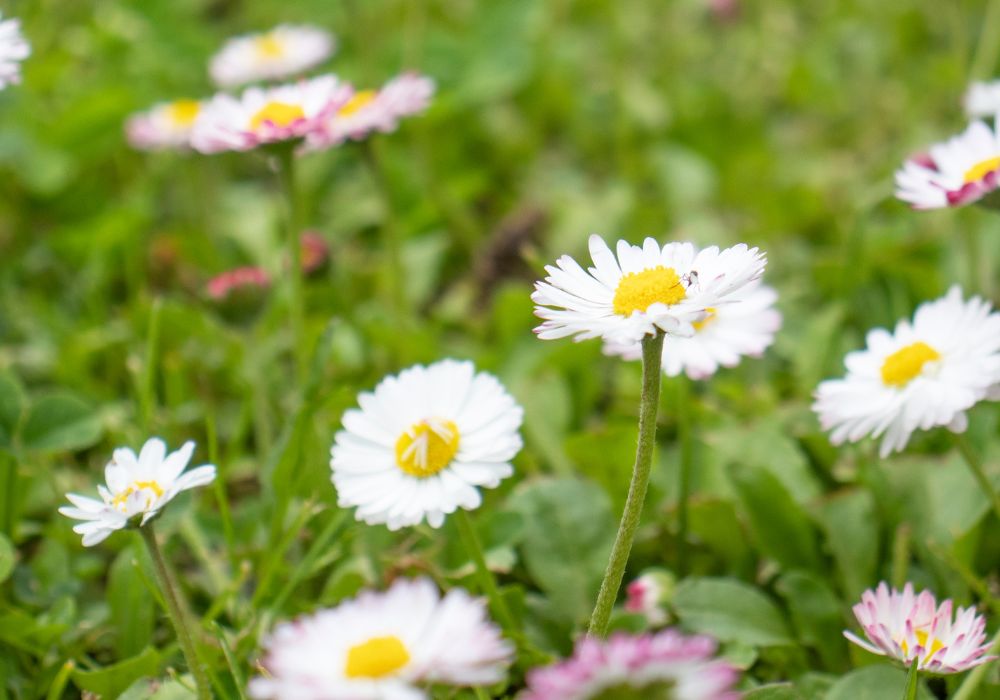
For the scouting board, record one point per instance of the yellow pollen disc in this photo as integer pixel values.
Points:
(427, 447)
(376, 658)
(184, 112)
(981, 169)
(698, 325)
(902, 366)
(122, 496)
(357, 102)
(269, 46)
(638, 290)
(277, 114)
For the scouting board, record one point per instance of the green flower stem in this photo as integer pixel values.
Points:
(971, 683)
(176, 613)
(487, 584)
(911, 682)
(685, 431)
(286, 173)
(652, 349)
(976, 466)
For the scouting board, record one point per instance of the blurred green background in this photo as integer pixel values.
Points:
(776, 123)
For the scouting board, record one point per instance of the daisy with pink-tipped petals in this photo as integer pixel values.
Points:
(263, 116)
(657, 666)
(909, 627)
(163, 126)
(283, 52)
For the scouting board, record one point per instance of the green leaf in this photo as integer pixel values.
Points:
(779, 525)
(816, 615)
(878, 682)
(11, 408)
(567, 541)
(60, 422)
(131, 605)
(111, 681)
(730, 610)
(776, 691)
(7, 558)
(850, 523)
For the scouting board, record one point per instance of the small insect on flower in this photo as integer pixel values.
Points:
(982, 100)
(284, 52)
(909, 627)
(959, 171)
(14, 48)
(641, 291)
(423, 443)
(138, 487)
(384, 646)
(163, 126)
(371, 111)
(267, 115)
(745, 327)
(924, 374)
(657, 666)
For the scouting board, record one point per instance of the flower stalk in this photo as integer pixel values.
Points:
(286, 173)
(652, 357)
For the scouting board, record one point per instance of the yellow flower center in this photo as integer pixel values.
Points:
(276, 114)
(376, 658)
(359, 101)
(699, 325)
(120, 499)
(184, 112)
(936, 644)
(427, 447)
(981, 169)
(902, 366)
(269, 46)
(637, 291)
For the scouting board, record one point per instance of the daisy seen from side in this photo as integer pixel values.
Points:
(284, 52)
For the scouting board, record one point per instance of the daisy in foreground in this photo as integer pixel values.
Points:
(662, 666)
(165, 125)
(909, 628)
(743, 328)
(420, 446)
(13, 49)
(927, 373)
(284, 52)
(267, 115)
(645, 289)
(384, 646)
(138, 487)
(959, 171)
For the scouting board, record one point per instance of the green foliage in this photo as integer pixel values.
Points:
(731, 611)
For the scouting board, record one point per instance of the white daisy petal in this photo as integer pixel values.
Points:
(284, 52)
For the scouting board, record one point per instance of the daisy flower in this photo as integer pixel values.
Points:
(959, 171)
(665, 664)
(138, 487)
(165, 125)
(644, 289)
(382, 646)
(925, 374)
(14, 48)
(982, 99)
(267, 115)
(284, 52)
(422, 444)
(744, 327)
(909, 627)
(375, 110)
(647, 595)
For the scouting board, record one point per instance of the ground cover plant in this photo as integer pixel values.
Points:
(290, 403)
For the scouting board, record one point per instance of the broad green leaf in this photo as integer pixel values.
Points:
(566, 542)
(816, 615)
(11, 408)
(850, 523)
(111, 681)
(777, 691)
(59, 422)
(878, 682)
(131, 605)
(730, 610)
(7, 557)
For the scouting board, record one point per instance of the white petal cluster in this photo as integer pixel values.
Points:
(286, 51)
(14, 48)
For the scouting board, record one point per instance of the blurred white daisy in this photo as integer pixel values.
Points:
(165, 125)
(645, 288)
(959, 171)
(745, 327)
(925, 374)
(284, 52)
(383, 646)
(376, 110)
(910, 627)
(14, 48)
(422, 444)
(138, 487)
(982, 100)
(267, 115)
